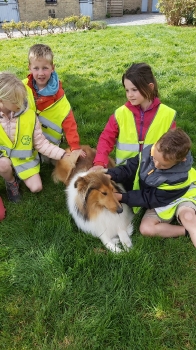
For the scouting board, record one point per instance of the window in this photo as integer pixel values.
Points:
(51, 13)
(51, 2)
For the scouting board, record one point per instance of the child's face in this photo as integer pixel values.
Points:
(7, 106)
(134, 96)
(159, 161)
(41, 70)
(132, 93)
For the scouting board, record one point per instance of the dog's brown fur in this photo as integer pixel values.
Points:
(91, 200)
(67, 167)
(95, 193)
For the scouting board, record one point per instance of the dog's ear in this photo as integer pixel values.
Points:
(117, 188)
(62, 171)
(81, 184)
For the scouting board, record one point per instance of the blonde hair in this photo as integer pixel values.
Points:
(40, 51)
(12, 89)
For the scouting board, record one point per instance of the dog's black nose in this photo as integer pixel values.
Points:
(120, 210)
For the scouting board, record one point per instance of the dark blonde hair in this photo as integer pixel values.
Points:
(174, 145)
(140, 74)
(12, 89)
(40, 51)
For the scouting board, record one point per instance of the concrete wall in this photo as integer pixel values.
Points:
(132, 4)
(99, 9)
(38, 9)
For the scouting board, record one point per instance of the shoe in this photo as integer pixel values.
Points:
(12, 189)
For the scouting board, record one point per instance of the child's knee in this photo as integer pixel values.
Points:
(5, 164)
(34, 183)
(146, 230)
(187, 215)
(35, 188)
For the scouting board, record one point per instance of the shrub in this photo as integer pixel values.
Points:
(97, 25)
(178, 12)
(51, 25)
(83, 22)
(8, 28)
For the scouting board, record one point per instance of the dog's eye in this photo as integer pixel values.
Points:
(104, 193)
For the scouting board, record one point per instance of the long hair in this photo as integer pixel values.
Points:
(12, 89)
(140, 74)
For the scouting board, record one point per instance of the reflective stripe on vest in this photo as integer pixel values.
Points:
(15, 153)
(127, 145)
(28, 168)
(48, 124)
(52, 117)
(24, 159)
(191, 181)
(167, 212)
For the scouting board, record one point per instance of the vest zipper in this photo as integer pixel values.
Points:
(141, 128)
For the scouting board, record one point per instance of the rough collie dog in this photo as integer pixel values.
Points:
(91, 200)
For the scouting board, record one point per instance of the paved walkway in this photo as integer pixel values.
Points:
(126, 20)
(131, 20)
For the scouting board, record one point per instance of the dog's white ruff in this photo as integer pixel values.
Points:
(109, 227)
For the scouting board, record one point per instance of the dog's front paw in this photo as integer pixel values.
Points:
(113, 247)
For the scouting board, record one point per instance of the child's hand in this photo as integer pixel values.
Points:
(81, 152)
(96, 168)
(118, 196)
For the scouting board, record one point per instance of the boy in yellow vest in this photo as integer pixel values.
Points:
(21, 139)
(47, 98)
(165, 184)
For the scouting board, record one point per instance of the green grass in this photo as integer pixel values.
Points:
(59, 288)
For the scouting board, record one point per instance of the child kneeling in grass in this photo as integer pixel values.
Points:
(21, 139)
(165, 184)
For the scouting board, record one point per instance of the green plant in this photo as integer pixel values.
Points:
(51, 25)
(83, 22)
(190, 17)
(97, 25)
(178, 12)
(8, 28)
(35, 27)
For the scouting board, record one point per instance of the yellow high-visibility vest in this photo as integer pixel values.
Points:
(128, 145)
(24, 158)
(168, 211)
(52, 117)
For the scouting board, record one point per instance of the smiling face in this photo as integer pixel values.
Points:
(41, 69)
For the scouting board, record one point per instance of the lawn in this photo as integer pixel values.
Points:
(60, 288)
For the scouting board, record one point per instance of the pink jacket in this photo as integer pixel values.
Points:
(41, 144)
(109, 135)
